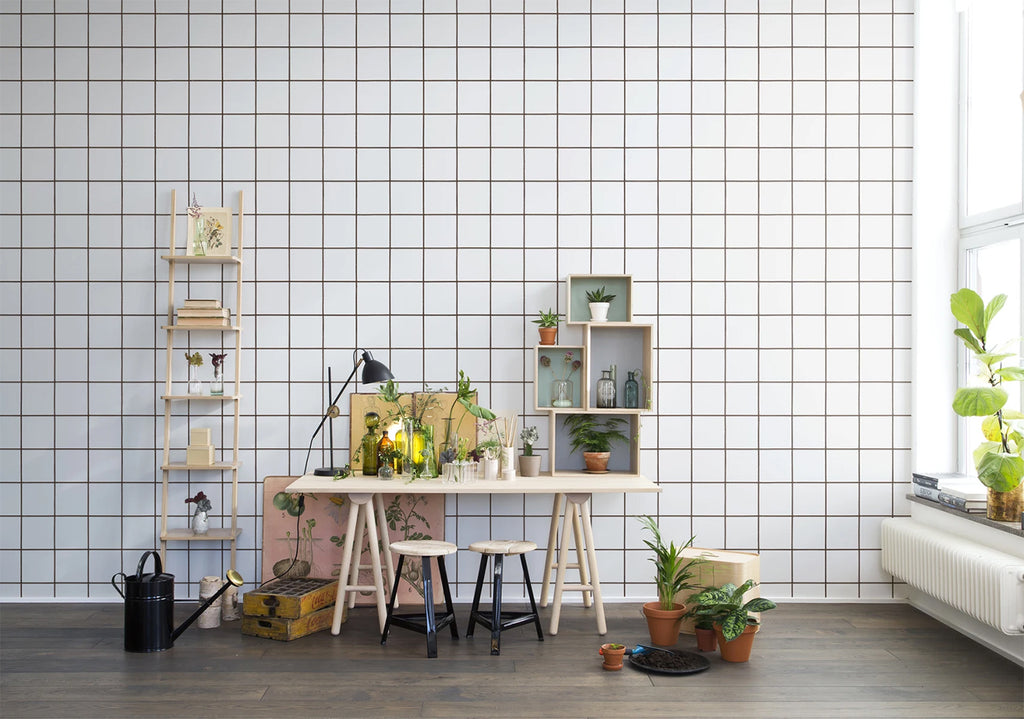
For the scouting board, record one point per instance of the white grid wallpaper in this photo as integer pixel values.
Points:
(419, 184)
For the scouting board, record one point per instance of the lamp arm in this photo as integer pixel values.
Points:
(328, 414)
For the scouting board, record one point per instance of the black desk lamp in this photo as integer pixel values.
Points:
(373, 372)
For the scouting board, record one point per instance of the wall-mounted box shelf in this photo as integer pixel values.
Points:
(624, 459)
(556, 368)
(577, 287)
(626, 345)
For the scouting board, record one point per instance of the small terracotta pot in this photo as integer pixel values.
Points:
(707, 640)
(596, 461)
(547, 335)
(737, 650)
(663, 624)
(612, 657)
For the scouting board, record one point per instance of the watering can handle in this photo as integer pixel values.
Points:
(156, 559)
(119, 574)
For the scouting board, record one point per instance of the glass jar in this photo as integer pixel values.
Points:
(606, 390)
(561, 393)
(369, 444)
(194, 385)
(632, 392)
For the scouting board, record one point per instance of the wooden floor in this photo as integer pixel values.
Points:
(827, 660)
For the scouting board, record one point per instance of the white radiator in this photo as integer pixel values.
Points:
(982, 582)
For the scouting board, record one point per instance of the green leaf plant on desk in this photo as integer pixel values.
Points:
(998, 458)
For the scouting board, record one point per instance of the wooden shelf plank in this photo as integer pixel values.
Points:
(182, 467)
(180, 328)
(207, 260)
(201, 397)
(184, 534)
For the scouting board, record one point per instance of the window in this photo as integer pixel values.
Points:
(992, 179)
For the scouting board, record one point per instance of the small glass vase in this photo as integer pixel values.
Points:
(199, 238)
(606, 390)
(194, 385)
(425, 463)
(561, 393)
(200, 522)
(508, 463)
(217, 385)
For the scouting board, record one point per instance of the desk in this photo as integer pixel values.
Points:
(365, 492)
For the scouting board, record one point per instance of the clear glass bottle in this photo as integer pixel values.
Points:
(372, 419)
(632, 392)
(606, 390)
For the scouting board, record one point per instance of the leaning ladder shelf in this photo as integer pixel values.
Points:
(184, 534)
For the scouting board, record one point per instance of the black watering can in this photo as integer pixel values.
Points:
(149, 607)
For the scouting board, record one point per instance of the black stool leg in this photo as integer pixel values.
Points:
(476, 595)
(391, 600)
(428, 609)
(529, 592)
(447, 596)
(496, 607)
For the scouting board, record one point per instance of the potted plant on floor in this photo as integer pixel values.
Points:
(529, 463)
(734, 627)
(613, 654)
(672, 572)
(599, 302)
(704, 630)
(998, 459)
(595, 438)
(547, 326)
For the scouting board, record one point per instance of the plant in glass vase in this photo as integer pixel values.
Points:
(561, 387)
(201, 518)
(195, 361)
(998, 459)
(217, 385)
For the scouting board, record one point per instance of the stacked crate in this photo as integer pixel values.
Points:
(288, 609)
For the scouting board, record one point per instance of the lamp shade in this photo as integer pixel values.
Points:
(374, 370)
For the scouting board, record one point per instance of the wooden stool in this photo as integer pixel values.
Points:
(497, 619)
(425, 623)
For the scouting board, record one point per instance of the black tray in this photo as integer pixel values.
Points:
(694, 662)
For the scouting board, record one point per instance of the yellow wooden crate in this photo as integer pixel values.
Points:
(721, 567)
(285, 630)
(290, 598)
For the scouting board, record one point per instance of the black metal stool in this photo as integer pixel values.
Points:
(425, 623)
(497, 620)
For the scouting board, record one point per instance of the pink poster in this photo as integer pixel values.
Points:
(308, 542)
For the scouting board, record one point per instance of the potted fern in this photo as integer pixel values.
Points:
(595, 438)
(672, 574)
(734, 626)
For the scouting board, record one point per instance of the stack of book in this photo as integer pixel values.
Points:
(203, 313)
(951, 489)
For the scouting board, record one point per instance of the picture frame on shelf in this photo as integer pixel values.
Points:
(210, 233)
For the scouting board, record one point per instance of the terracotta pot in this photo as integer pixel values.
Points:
(612, 657)
(596, 461)
(529, 465)
(1006, 506)
(547, 335)
(663, 624)
(738, 650)
(707, 640)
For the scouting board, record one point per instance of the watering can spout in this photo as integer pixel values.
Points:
(234, 579)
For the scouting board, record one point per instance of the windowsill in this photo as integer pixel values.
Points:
(1012, 528)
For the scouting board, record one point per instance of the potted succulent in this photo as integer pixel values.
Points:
(998, 459)
(734, 627)
(595, 438)
(529, 463)
(547, 326)
(672, 572)
(599, 301)
(612, 654)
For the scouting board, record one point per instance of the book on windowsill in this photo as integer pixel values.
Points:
(961, 504)
(924, 492)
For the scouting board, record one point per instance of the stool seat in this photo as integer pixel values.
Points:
(508, 547)
(498, 619)
(423, 548)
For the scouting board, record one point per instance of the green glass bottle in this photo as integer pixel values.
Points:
(632, 392)
(369, 444)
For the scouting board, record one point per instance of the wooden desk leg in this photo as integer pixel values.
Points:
(357, 554)
(371, 528)
(346, 565)
(581, 564)
(583, 502)
(549, 555)
(563, 560)
(385, 540)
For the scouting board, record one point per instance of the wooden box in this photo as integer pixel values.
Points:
(199, 436)
(199, 456)
(286, 630)
(721, 567)
(290, 598)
